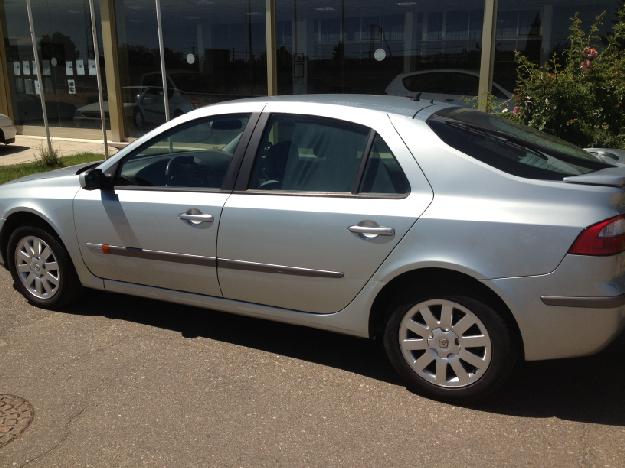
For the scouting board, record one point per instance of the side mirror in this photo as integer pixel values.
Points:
(95, 179)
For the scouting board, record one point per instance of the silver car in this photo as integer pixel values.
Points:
(464, 242)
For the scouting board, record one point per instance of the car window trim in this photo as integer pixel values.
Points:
(294, 193)
(243, 179)
(357, 183)
(231, 173)
(249, 158)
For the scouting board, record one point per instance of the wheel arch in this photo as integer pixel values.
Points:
(22, 218)
(420, 279)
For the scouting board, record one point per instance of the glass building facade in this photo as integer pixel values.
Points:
(65, 45)
(217, 50)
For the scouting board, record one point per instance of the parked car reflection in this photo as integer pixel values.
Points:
(89, 114)
(186, 90)
(455, 86)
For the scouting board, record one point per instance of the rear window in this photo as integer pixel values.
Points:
(510, 147)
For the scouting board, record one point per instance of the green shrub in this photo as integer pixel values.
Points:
(48, 157)
(578, 95)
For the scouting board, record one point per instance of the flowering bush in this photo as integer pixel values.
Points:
(578, 95)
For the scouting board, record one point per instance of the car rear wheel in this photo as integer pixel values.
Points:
(452, 348)
(41, 268)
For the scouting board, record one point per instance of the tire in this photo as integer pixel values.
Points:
(58, 284)
(442, 358)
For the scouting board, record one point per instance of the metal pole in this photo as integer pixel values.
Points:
(162, 52)
(96, 53)
(487, 65)
(33, 38)
(270, 39)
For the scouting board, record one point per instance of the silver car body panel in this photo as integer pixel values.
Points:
(312, 231)
(510, 234)
(149, 220)
(50, 198)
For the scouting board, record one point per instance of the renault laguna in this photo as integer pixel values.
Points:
(462, 241)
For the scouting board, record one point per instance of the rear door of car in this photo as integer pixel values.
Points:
(319, 204)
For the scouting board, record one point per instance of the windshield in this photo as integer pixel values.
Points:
(511, 147)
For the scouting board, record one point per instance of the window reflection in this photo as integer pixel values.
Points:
(538, 29)
(214, 51)
(65, 44)
(375, 47)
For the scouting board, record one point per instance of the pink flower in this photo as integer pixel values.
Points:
(516, 110)
(591, 53)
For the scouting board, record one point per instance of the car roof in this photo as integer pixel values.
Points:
(383, 103)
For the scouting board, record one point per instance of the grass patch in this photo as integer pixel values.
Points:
(15, 171)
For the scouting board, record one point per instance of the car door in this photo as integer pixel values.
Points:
(319, 204)
(158, 227)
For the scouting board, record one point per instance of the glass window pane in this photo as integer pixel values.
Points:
(196, 154)
(371, 46)
(510, 147)
(66, 51)
(538, 29)
(214, 51)
(383, 173)
(308, 154)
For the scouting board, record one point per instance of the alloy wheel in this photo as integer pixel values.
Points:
(445, 343)
(37, 267)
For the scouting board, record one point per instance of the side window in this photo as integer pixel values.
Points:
(423, 83)
(383, 173)
(310, 154)
(463, 84)
(195, 154)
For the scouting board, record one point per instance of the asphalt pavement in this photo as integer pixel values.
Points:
(122, 381)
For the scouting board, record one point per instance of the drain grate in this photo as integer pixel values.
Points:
(16, 414)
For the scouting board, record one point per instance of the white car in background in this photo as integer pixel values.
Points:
(7, 130)
(454, 86)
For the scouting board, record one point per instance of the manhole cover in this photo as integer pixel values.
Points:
(16, 415)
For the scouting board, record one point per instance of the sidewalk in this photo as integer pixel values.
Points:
(26, 148)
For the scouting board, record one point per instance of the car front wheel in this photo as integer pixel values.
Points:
(452, 348)
(41, 268)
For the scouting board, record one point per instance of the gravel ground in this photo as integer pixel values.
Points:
(121, 381)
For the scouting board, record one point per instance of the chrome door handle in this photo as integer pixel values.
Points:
(196, 218)
(371, 230)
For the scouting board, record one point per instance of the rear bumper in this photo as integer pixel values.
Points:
(577, 310)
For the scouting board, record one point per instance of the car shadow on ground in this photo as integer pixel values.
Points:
(8, 150)
(588, 389)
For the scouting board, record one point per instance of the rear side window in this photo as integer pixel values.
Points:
(510, 147)
(383, 173)
(309, 154)
(302, 153)
(454, 83)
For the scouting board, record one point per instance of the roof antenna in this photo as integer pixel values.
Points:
(417, 97)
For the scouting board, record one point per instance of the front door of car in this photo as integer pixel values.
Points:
(158, 227)
(320, 203)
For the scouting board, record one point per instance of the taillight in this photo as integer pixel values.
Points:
(601, 239)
